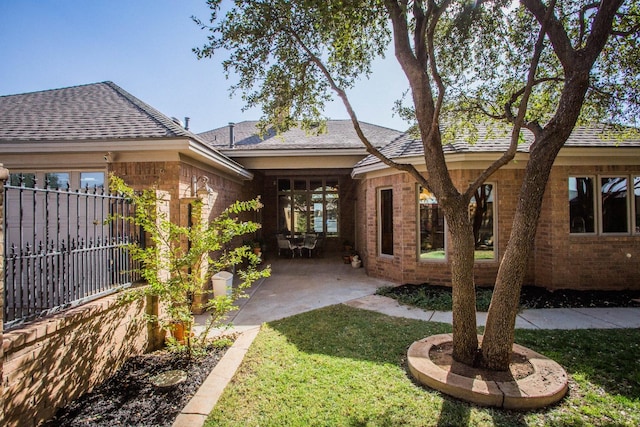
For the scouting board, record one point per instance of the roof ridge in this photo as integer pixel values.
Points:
(53, 90)
(157, 116)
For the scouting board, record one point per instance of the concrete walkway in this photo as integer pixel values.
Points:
(300, 285)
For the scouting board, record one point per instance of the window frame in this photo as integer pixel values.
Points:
(633, 229)
(494, 215)
(73, 177)
(292, 191)
(419, 234)
(380, 219)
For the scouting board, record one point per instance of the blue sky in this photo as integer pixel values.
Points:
(144, 46)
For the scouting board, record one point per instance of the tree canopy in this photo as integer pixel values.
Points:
(539, 66)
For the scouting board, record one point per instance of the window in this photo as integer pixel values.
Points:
(308, 206)
(613, 192)
(582, 204)
(385, 209)
(431, 226)
(92, 179)
(57, 180)
(615, 211)
(481, 213)
(22, 179)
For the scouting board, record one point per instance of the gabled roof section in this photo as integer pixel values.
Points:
(340, 134)
(94, 117)
(87, 112)
(407, 146)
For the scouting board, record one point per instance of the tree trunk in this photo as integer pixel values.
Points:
(465, 336)
(500, 328)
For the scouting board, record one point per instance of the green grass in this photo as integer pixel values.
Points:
(441, 255)
(341, 366)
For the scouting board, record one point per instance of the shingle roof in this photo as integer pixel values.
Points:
(585, 136)
(339, 135)
(87, 112)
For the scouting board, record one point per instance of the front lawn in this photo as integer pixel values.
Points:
(340, 366)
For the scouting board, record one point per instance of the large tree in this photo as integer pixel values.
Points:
(537, 67)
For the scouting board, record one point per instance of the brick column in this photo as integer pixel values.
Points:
(4, 175)
(155, 333)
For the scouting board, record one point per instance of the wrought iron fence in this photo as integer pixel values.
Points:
(61, 249)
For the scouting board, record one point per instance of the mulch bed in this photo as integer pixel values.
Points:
(536, 297)
(129, 399)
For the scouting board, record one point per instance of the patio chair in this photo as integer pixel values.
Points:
(310, 243)
(284, 243)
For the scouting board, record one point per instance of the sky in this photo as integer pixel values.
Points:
(145, 47)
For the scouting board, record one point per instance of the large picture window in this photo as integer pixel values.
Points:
(432, 240)
(616, 210)
(308, 205)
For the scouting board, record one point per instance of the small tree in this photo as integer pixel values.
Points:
(180, 261)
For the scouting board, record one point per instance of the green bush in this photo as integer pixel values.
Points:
(178, 262)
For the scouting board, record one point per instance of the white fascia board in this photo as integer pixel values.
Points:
(455, 161)
(222, 160)
(181, 145)
(568, 156)
(296, 153)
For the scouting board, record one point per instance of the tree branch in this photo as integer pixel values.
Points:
(371, 149)
(508, 155)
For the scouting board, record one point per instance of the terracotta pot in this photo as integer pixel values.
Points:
(178, 331)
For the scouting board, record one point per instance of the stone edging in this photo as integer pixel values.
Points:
(195, 413)
(547, 385)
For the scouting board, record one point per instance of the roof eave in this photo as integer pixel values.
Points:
(314, 152)
(187, 146)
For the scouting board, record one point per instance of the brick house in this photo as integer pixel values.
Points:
(588, 235)
(325, 183)
(63, 140)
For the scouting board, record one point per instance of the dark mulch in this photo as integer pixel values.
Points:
(532, 296)
(129, 399)
(535, 297)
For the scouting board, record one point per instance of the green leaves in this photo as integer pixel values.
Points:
(272, 43)
(178, 261)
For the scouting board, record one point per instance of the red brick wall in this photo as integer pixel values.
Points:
(558, 260)
(50, 362)
(176, 179)
(565, 260)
